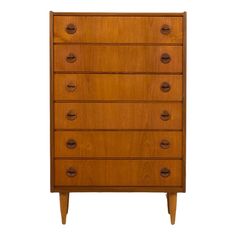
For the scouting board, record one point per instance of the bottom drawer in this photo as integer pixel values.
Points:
(118, 173)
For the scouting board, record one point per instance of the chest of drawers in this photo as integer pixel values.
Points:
(118, 104)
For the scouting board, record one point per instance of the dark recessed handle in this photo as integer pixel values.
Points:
(71, 87)
(165, 58)
(71, 144)
(164, 144)
(165, 29)
(71, 172)
(165, 87)
(71, 29)
(71, 58)
(165, 172)
(165, 115)
(71, 115)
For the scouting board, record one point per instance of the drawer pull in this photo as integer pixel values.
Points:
(71, 58)
(165, 29)
(71, 29)
(165, 115)
(165, 172)
(71, 87)
(164, 144)
(165, 58)
(71, 172)
(71, 144)
(165, 87)
(71, 115)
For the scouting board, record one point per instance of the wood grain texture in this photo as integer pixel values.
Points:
(51, 16)
(136, 87)
(64, 204)
(121, 14)
(117, 58)
(118, 173)
(117, 99)
(118, 144)
(172, 203)
(118, 188)
(118, 115)
(184, 84)
(116, 29)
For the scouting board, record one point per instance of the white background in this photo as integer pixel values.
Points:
(26, 205)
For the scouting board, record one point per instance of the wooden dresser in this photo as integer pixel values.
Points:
(118, 104)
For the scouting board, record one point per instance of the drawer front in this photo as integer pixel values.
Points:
(117, 29)
(117, 58)
(118, 115)
(117, 87)
(118, 173)
(118, 144)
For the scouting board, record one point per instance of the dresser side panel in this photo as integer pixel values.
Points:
(51, 105)
(184, 84)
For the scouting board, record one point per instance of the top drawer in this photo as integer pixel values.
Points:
(118, 29)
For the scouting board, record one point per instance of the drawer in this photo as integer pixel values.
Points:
(118, 115)
(118, 29)
(118, 144)
(118, 173)
(117, 58)
(117, 87)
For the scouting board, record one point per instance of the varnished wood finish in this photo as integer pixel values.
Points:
(168, 204)
(117, 81)
(184, 84)
(117, 58)
(51, 104)
(118, 173)
(118, 144)
(130, 14)
(172, 203)
(64, 205)
(119, 188)
(118, 116)
(128, 29)
(114, 87)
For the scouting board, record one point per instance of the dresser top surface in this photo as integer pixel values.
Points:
(146, 14)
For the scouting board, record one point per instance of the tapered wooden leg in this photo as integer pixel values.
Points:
(172, 202)
(168, 204)
(68, 200)
(64, 204)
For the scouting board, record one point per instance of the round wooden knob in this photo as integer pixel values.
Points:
(71, 115)
(165, 58)
(165, 87)
(71, 58)
(165, 29)
(165, 172)
(70, 29)
(71, 87)
(71, 172)
(165, 116)
(164, 144)
(71, 144)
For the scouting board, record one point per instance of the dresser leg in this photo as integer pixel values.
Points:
(171, 203)
(168, 204)
(64, 205)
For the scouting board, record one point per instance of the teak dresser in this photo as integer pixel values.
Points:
(118, 104)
